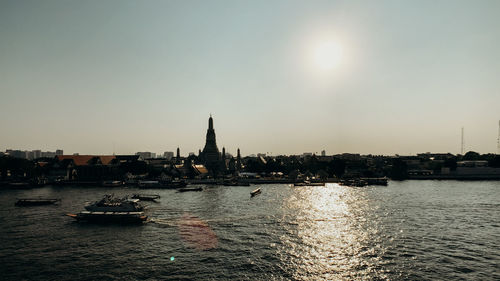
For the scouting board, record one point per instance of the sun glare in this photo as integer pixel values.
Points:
(327, 55)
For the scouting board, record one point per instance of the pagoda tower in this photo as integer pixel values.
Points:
(211, 155)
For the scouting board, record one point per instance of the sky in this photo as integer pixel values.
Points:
(278, 77)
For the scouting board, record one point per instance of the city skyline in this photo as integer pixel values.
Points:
(359, 77)
(210, 142)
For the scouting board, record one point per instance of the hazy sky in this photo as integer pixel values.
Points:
(403, 76)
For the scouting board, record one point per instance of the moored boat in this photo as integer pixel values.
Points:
(235, 183)
(145, 197)
(162, 184)
(376, 181)
(36, 201)
(308, 183)
(353, 182)
(19, 185)
(190, 189)
(112, 183)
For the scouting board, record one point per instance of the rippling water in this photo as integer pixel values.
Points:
(423, 230)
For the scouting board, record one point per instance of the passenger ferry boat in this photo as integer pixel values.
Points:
(112, 204)
(112, 210)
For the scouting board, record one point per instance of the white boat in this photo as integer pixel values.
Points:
(255, 192)
(111, 204)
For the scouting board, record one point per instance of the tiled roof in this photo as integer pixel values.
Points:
(105, 160)
(201, 169)
(83, 160)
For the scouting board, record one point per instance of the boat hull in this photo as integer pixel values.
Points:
(255, 192)
(190, 189)
(36, 202)
(146, 197)
(110, 217)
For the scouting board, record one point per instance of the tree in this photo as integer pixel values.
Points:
(293, 175)
(450, 163)
(337, 167)
(399, 169)
(322, 174)
(471, 155)
(495, 162)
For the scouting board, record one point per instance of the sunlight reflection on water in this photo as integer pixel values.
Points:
(330, 238)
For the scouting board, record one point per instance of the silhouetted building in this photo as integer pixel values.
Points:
(37, 154)
(168, 155)
(178, 157)
(87, 167)
(210, 154)
(48, 154)
(146, 155)
(238, 161)
(16, 153)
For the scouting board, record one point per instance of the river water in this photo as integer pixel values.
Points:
(413, 230)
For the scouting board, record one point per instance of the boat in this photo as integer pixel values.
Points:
(145, 197)
(36, 201)
(110, 217)
(354, 182)
(235, 183)
(173, 184)
(308, 183)
(162, 184)
(376, 181)
(255, 192)
(112, 183)
(19, 185)
(148, 184)
(111, 204)
(190, 189)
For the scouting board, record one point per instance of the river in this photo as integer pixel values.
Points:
(413, 230)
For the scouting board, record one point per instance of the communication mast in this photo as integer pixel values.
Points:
(498, 139)
(462, 146)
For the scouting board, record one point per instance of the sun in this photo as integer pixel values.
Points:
(327, 55)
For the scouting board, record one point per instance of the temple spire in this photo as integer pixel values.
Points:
(238, 160)
(211, 154)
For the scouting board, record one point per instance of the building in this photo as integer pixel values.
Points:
(48, 154)
(238, 161)
(210, 155)
(168, 155)
(323, 153)
(146, 155)
(16, 153)
(30, 155)
(37, 154)
(59, 152)
(88, 167)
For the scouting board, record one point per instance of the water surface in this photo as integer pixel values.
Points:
(422, 230)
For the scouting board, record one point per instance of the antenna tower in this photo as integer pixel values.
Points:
(498, 139)
(462, 146)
